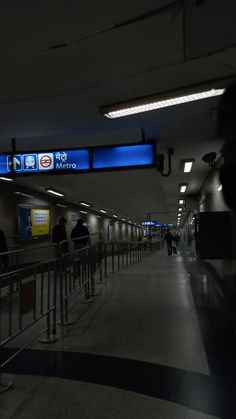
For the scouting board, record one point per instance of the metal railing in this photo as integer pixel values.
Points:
(37, 297)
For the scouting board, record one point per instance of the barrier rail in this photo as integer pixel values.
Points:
(43, 293)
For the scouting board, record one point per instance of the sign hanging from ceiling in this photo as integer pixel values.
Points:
(76, 160)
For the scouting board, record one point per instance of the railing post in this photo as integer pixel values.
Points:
(118, 256)
(51, 337)
(4, 385)
(127, 254)
(112, 257)
(105, 260)
(123, 256)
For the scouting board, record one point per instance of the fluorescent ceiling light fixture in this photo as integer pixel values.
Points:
(220, 187)
(24, 194)
(103, 211)
(180, 209)
(7, 179)
(181, 201)
(188, 166)
(114, 215)
(123, 219)
(62, 205)
(83, 212)
(85, 204)
(53, 192)
(99, 216)
(183, 187)
(151, 103)
(130, 221)
(179, 215)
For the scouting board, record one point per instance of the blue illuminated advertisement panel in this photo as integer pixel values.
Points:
(53, 161)
(123, 156)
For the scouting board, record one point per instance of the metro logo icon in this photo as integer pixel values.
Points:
(46, 161)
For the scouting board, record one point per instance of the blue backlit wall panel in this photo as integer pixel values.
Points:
(123, 156)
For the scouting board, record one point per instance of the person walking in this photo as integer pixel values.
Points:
(80, 235)
(169, 239)
(59, 237)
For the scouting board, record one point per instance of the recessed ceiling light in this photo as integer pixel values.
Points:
(85, 204)
(123, 219)
(54, 192)
(7, 179)
(180, 209)
(220, 188)
(179, 215)
(24, 194)
(83, 212)
(103, 211)
(181, 201)
(157, 102)
(188, 166)
(62, 205)
(99, 216)
(115, 216)
(183, 187)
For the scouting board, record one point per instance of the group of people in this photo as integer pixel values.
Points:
(80, 236)
(172, 242)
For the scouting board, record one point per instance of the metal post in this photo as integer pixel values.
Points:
(123, 256)
(105, 259)
(4, 385)
(118, 256)
(51, 337)
(112, 257)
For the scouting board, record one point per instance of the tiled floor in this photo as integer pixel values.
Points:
(141, 344)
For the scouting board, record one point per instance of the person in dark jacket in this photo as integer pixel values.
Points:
(59, 235)
(80, 232)
(3, 248)
(169, 239)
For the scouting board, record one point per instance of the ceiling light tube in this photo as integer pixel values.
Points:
(123, 219)
(183, 187)
(103, 211)
(24, 194)
(7, 179)
(62, 205)
(158, 102)
(115, 216)
(220, 188)
(181, 201)
(179, 215)
(188, 166)
(54, 192)
(85, 204)
(180, 209)
(83, 212)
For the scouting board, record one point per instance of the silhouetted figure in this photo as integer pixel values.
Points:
(3, 248)
(169, 239)
(226, 127)
(59, 235)
(82, 233)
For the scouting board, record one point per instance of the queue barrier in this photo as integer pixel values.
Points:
(42, 293)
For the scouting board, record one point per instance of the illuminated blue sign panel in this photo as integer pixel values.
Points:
(56, 161)
(123, 156)
(149, 223)
(94, 158)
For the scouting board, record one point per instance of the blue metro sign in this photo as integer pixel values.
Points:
(75, 160)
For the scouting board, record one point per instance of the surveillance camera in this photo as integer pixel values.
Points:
(210, 158)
